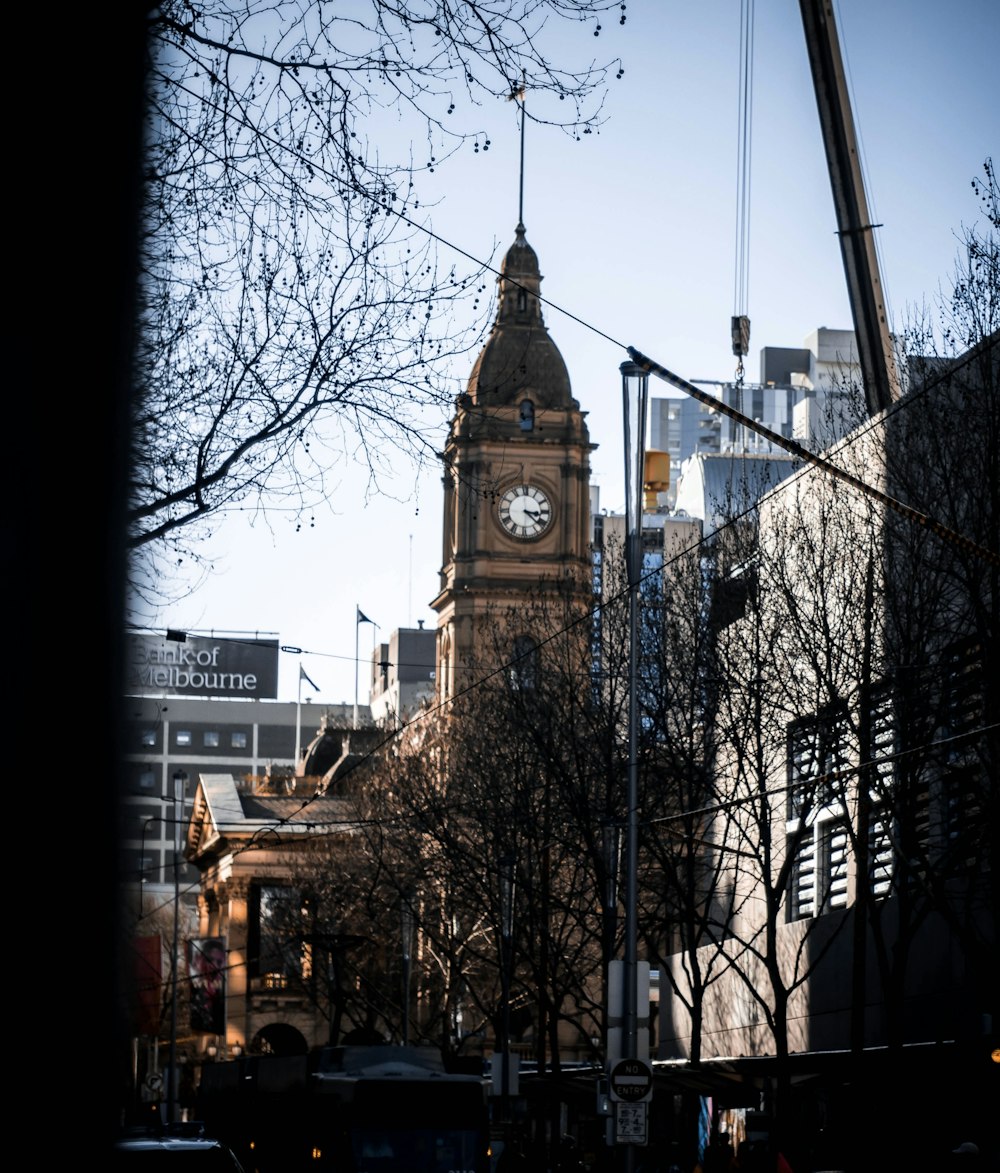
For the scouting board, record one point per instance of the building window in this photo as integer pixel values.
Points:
(210, 738)
(819, 753)
(238, 740)
(835, 859)
(964, 820)
(524, 664)
(880, 857)
(818, 758)
(651, 580)
(963, 781)
(275, 949)
(183, 736)
(819, 875)
(963, 702)
(527, 415)
(803, 884)
(149, 737)
(881, 793)
(147, 780)
(596, 629)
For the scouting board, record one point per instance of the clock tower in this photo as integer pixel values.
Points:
(516, 488)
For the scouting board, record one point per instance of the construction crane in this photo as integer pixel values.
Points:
(854, 226)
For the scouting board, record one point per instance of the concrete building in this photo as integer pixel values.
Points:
(803, 393)
(197, 735)
(402, 675)
(863, 710)
(715, 486)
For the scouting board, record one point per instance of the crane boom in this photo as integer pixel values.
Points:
(857, 241)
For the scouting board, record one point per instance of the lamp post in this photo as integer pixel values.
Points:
(180, 785)
(406, 925)
(635, 399)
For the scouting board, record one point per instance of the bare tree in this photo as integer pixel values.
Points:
(681, 878)
(856, 722)
(294, 312)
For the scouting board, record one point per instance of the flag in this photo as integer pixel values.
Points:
(303, 676)
(363, 618)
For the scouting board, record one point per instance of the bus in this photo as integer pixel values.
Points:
(360, 1109)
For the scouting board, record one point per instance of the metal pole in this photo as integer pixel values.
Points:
(357, 653)
(632, 825)
(298, 720)
(635, 393)
(180, 783)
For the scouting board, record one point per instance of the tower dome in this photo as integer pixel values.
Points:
(520, 360)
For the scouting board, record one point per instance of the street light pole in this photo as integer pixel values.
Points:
(180, 785)
(635, 399)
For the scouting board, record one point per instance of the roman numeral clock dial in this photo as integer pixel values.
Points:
(525, 512)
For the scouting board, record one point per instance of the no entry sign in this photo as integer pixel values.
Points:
(631, 1081)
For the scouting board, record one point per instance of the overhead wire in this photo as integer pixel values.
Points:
(586, 618)
(741, 293)
(385, 204)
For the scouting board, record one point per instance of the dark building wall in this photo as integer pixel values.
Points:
(779, 363)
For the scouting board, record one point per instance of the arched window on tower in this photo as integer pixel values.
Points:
(444, 665)
(527, 415)
(524, 664)
(522, 300)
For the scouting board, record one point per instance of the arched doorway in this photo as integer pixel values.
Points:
(279, 1039)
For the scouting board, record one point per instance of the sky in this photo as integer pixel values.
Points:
(635, 227)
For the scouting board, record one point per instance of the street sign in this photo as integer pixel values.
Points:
(630, 1124)
(631, 1081)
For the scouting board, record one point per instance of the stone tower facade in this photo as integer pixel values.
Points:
(517, 474)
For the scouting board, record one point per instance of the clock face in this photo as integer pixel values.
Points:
(525, 511)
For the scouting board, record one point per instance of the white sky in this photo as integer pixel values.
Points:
(635, 230)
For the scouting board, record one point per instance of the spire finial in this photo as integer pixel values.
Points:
(518, 96)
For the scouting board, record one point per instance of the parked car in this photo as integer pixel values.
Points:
(181, 1149)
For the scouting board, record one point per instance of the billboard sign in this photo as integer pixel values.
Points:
(193, 665)
(207, 960)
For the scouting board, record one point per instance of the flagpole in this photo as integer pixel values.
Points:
(298, 721)
(359, 618)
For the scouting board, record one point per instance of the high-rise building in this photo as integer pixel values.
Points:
(166, 735)
(807, 394)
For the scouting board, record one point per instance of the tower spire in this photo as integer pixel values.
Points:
(518, 96)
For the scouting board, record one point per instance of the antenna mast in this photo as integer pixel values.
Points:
(519, 97)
